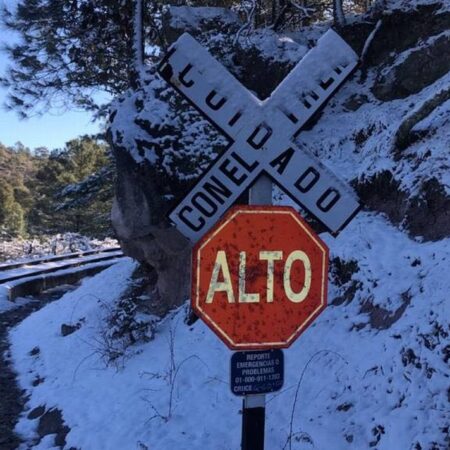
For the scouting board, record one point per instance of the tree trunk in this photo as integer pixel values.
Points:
(338, 13)
(138, 42)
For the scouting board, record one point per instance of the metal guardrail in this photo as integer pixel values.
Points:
(47, 270)
(34, 281)
(54, 258)
(35, 284)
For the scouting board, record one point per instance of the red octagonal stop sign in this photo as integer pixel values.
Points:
(259, 277)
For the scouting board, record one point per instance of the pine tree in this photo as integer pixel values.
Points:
(70, 49)
(85, 203)
(11, 213)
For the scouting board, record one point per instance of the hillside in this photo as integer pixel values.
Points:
(373, 371)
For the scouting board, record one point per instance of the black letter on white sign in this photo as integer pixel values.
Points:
(188, 209)
(206, 202)
(310, 182)
(282, 160)
(219, 103)
(263, 139)
(183, 73)
(335, 196)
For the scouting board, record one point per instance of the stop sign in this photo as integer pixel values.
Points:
(259, 277)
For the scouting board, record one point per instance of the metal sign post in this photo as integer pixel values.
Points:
(253, 422)
(254, 405)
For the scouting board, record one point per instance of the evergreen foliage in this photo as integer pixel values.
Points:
(56, 191)
(11, 213)
(70, 50)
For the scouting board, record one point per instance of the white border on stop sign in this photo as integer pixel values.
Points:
(306, 323)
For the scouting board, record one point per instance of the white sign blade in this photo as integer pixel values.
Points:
(313, 186)
(215, 193)
(313, 80)
(199, 77)
(261, 133)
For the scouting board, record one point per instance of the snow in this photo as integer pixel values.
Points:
(275, 47)
(5, 305)
(429, 42)
(185, 17)
(371, 372)
(334, 141)
(165, 148)
(358, 382)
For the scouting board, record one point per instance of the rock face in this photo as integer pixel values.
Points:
(138, 217)
(418, 69)
(396, 105)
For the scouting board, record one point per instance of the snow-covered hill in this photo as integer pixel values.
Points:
(372, 371)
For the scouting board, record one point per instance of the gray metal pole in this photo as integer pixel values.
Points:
(254, 406)
(253, 422)
(261, 191)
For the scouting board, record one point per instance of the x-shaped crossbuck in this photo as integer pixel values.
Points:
(261, 133)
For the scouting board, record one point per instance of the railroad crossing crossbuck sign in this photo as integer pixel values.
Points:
(261, 133)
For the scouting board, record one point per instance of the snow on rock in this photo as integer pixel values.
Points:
(185, 17)
(358, 144)
(361, 384)
(149, 125)
(273, 47)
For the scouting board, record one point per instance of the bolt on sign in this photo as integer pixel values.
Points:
(261, 133)
(259, 277)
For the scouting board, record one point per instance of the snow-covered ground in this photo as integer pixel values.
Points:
(6, 305)
(371, 372)
(359, 385)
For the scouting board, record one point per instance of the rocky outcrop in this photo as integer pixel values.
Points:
(414, 70)
(404, 29)
(161, 145)
(405, 135)
(139, 220)
(426, 214)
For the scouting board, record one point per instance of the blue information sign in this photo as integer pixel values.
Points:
(257, 372)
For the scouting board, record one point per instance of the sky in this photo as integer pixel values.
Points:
(50, 130)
